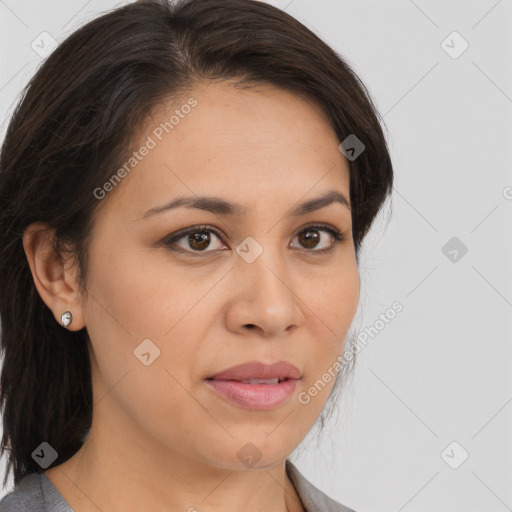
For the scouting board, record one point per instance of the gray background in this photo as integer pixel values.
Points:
(440, 371)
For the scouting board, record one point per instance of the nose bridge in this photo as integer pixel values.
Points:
(263, 261)
(266, 277)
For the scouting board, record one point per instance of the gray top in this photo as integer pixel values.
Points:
(36, 493)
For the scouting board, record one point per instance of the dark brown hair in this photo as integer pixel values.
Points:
(72, 129)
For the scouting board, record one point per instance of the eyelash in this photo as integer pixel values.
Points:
(336, 234)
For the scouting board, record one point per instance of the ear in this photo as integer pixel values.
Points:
(54, 277)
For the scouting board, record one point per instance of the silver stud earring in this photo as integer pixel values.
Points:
(66, 318)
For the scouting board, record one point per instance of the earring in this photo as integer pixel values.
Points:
(66, 318)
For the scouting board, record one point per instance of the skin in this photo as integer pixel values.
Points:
(160, 438)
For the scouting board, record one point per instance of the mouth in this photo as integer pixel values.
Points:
(256, 385)
(277, 380)
(260, 371)
(253, 393)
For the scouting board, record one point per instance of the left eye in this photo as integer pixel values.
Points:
(311, 238)
(198, 239)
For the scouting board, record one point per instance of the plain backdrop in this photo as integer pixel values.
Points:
(426, 423)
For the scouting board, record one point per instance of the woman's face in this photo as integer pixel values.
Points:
(165, 315)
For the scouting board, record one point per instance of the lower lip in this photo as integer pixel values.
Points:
(254, 396)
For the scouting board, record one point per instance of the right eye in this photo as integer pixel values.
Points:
(196, 239)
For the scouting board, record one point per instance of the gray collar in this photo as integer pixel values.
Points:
(313, 499)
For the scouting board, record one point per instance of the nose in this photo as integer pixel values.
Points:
(266, 298)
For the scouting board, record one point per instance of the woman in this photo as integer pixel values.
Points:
(184, 192)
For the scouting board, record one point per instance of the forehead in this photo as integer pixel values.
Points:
(249, 145)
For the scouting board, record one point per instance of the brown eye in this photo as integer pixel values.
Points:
(196, 240)
(316, 238)
(199, 241)
(309, 239)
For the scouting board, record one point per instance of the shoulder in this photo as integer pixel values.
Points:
(34, 493)
(26, 496)
(313, 499)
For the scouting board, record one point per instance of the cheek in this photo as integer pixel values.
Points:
(137, 296)
(345, 299)
(131, 301)
(140, 294)
(333, 300)
(333, 307)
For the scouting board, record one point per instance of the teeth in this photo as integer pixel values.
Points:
(261, 381)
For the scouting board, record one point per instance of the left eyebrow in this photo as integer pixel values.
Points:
(222, 207)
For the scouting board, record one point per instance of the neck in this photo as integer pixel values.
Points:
(115, 470)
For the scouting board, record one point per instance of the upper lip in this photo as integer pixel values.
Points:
(259, 370)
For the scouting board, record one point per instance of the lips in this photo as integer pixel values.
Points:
(281, 370)
(255, 385)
